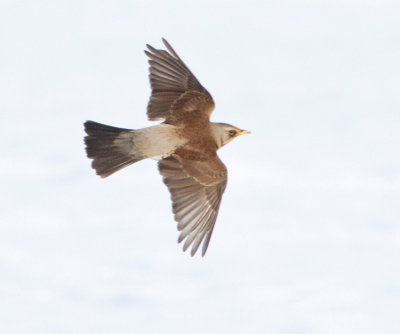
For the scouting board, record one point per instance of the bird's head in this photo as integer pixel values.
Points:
(224, 133)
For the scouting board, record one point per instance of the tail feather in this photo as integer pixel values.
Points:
(110, 148)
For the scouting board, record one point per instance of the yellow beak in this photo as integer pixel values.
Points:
(242, 132)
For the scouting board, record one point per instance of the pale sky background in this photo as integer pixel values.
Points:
(308, 235)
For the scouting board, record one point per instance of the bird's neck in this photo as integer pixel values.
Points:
(217, 132)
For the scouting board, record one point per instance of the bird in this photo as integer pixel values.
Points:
(185, 144)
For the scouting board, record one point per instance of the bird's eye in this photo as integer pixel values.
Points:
(232, 133)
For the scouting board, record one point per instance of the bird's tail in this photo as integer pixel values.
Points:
(110, 148)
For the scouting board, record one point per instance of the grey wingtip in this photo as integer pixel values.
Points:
(150, 50)
(170, 48)
(167, 45)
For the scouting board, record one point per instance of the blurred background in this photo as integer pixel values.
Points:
(307, 238)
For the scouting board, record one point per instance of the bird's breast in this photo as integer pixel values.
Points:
(200, 143)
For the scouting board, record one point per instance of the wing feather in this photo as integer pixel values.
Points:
(171, 82)
(196, 189)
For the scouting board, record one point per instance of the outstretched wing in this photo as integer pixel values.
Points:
(174, 88)
(196, 189)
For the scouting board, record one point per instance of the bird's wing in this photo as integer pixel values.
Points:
(174, 88)
(196, 189)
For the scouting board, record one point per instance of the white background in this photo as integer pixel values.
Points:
(307, 239)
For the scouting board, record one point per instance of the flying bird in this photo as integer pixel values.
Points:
(185, 145)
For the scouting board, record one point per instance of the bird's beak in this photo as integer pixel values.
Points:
(243, 132)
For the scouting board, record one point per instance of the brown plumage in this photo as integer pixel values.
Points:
(185, 145)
